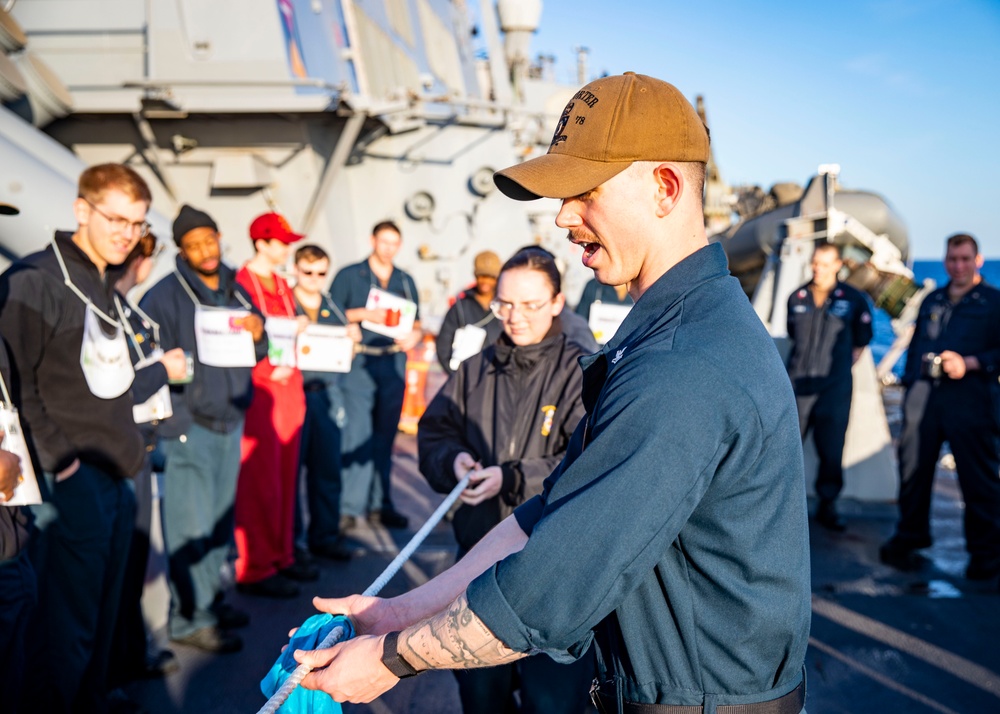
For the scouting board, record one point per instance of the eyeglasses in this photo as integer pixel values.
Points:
(310, 273)
(503, 309)
(121, 225)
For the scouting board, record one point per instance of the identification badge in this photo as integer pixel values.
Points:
(221, 339)
(324, 348)
(468, 341)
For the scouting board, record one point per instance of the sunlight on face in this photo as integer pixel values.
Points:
(528, 305)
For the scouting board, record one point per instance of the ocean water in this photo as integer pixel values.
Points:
(922, 269)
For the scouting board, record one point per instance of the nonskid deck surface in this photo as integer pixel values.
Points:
(882, 641)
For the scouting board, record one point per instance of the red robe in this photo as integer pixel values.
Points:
(265, 491)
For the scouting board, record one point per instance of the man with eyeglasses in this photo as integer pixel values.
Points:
(201, 441)
(72, 379)
(320, 450)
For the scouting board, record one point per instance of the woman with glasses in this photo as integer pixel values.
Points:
(507, 415)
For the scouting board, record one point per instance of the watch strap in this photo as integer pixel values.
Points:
(393, 661)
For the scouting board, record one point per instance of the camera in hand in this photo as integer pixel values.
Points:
(930, 366)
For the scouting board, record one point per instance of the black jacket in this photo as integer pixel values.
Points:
(216, 397)
(823, 338)
(465, 311)
(515, 407)
(43, 321)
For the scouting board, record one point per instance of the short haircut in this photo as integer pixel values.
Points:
(829, 247)
(386, 225)
(535, 258)
(961, 239)
(694, 173)
(96, 181)
(311, 253)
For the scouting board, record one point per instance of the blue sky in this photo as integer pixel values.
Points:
(903, 94)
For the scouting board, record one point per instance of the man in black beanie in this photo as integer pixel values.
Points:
(201, 309)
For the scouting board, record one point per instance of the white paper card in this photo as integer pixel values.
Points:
(158, 407)
(324, 348)
(281, 334)
(221, 339)
(26, 493)
(605, 319)
(468, 341)
(379, 299)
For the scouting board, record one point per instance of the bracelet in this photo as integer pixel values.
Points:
(394, 661)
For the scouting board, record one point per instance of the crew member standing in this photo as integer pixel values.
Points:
(674, 531)
(320, 456)
(72, 380)
(952, 394)
(469, 325)
(201, 440)
(375, 386)
(265, 490)
(829, 324)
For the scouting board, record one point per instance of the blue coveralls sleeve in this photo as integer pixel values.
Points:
(148, 381)
(614, 512)
(989, 359)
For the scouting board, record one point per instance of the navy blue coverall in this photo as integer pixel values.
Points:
(823, 340)
(373, 396)
(320, 449)
(964, 412)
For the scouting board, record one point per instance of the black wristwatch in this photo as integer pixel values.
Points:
(393, 661)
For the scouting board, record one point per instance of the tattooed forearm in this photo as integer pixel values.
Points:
(454, 639)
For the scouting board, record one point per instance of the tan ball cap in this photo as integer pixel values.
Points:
(609, 124)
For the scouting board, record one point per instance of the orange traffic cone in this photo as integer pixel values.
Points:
(415, 398)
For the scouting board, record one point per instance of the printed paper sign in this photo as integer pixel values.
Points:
(468, 341)
(400, 313)
(26, 493)
(605, 320)
(221, 339)
(325, 348)
(281, 334)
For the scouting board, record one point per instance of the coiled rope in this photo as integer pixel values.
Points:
(279, 697)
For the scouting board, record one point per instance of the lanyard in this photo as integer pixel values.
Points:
(197, 302)
(333, 306)
(289, 308)
(79, 293)
(128, 325)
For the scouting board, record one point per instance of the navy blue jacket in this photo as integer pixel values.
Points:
(675, 527)
(971, 328)
(216, 397)
(824, 338)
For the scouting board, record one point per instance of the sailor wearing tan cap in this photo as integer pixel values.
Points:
(674, 531)
(470, 325)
